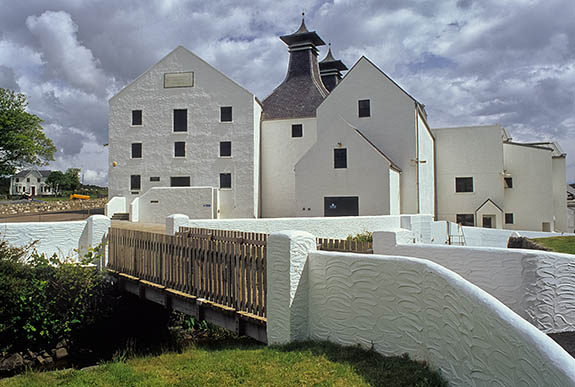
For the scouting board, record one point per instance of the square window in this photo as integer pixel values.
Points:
(225, 180)
(136, 117)
(137, 150)
(508, 183)
(508, 218)
(463, 184)
(135, 182)
(465, 219)
(17, 180)
(155, 178)
(225, 149)
(226, 114)
(180, 181)
(297, 130)
(364, 108)
(180, 120)
(340, 158)
(179, 149)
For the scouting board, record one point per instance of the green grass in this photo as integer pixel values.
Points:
(245, 363)
(563, 244)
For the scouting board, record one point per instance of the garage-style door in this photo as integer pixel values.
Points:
(341, 206)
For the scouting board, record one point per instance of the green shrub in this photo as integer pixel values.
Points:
(365, 236)
(46, 299)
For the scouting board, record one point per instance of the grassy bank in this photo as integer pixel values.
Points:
(562, 244)
(243, 362)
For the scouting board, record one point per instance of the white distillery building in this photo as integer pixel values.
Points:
(485, 179)
(31, 182)
(184, 138)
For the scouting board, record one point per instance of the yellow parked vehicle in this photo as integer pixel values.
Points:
(79, 197)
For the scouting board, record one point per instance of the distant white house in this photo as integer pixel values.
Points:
(486, 179)
(31, 182)
(185, 138)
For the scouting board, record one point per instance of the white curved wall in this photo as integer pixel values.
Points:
(398, 304)
(537, 285)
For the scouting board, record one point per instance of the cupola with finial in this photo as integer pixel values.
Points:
(330, 70)
(302, 90)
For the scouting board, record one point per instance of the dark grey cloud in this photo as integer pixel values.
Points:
(469, 62)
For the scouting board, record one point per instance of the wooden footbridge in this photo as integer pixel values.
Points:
(214, 275)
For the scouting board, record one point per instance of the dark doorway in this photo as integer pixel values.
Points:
(341, 206)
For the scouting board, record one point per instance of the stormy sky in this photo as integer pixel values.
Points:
(470, 62)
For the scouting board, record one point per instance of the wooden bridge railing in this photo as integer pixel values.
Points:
(225, 267)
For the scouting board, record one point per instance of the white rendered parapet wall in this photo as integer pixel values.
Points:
(399, 305)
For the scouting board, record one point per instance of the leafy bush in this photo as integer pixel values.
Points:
(46, 299)
(365, 236)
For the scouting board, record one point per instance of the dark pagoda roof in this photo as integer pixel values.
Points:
(302, 35)
(330, 63)
(302, 90)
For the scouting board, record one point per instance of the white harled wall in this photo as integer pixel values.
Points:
(391, 127)
(531, 198)
(202, 163)
(366, 175)
(280, 153)
(426, 167)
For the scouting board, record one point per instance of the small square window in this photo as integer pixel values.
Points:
(225, 180)
(297, 130)
(465, 219)
(340, 158)
(180, 120)
(155, 178)
(225, 149)
(17, 180)
(508, 218)
(508, 183)
(226, 114)
(135, 182)
(27, 180)
(137, 150)
(136, 117)
(463, 184)
(179, 149)
(180, 181)
(364, 109)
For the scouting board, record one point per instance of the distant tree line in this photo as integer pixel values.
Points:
(64, 181)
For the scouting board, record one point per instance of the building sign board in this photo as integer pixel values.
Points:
(179, 79)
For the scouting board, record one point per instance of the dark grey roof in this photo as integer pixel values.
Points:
(43, 173)
(302, 90)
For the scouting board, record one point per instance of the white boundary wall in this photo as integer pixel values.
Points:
(115, 205)
(399, 304)
(483, 237)
(62, 238)
(333, 227)
(537, 285)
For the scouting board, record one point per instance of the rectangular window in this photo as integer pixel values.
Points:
(180, 181)
(225, 180)
(340, 158)
(180, 120)
(463, 184)
(136, 117)
(155, 178)
(226, 114)
(508, 218)
(27, 180)
(179, 149)
(135, 182)
(225, 149)
(508, 183)
(17, 180)
(465, 219)
(137, 150)
(297, 130)
(364, 108)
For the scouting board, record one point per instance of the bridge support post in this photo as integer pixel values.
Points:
(287, 285)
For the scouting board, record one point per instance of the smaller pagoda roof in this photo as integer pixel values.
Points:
(302, 35)
(330, 63)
